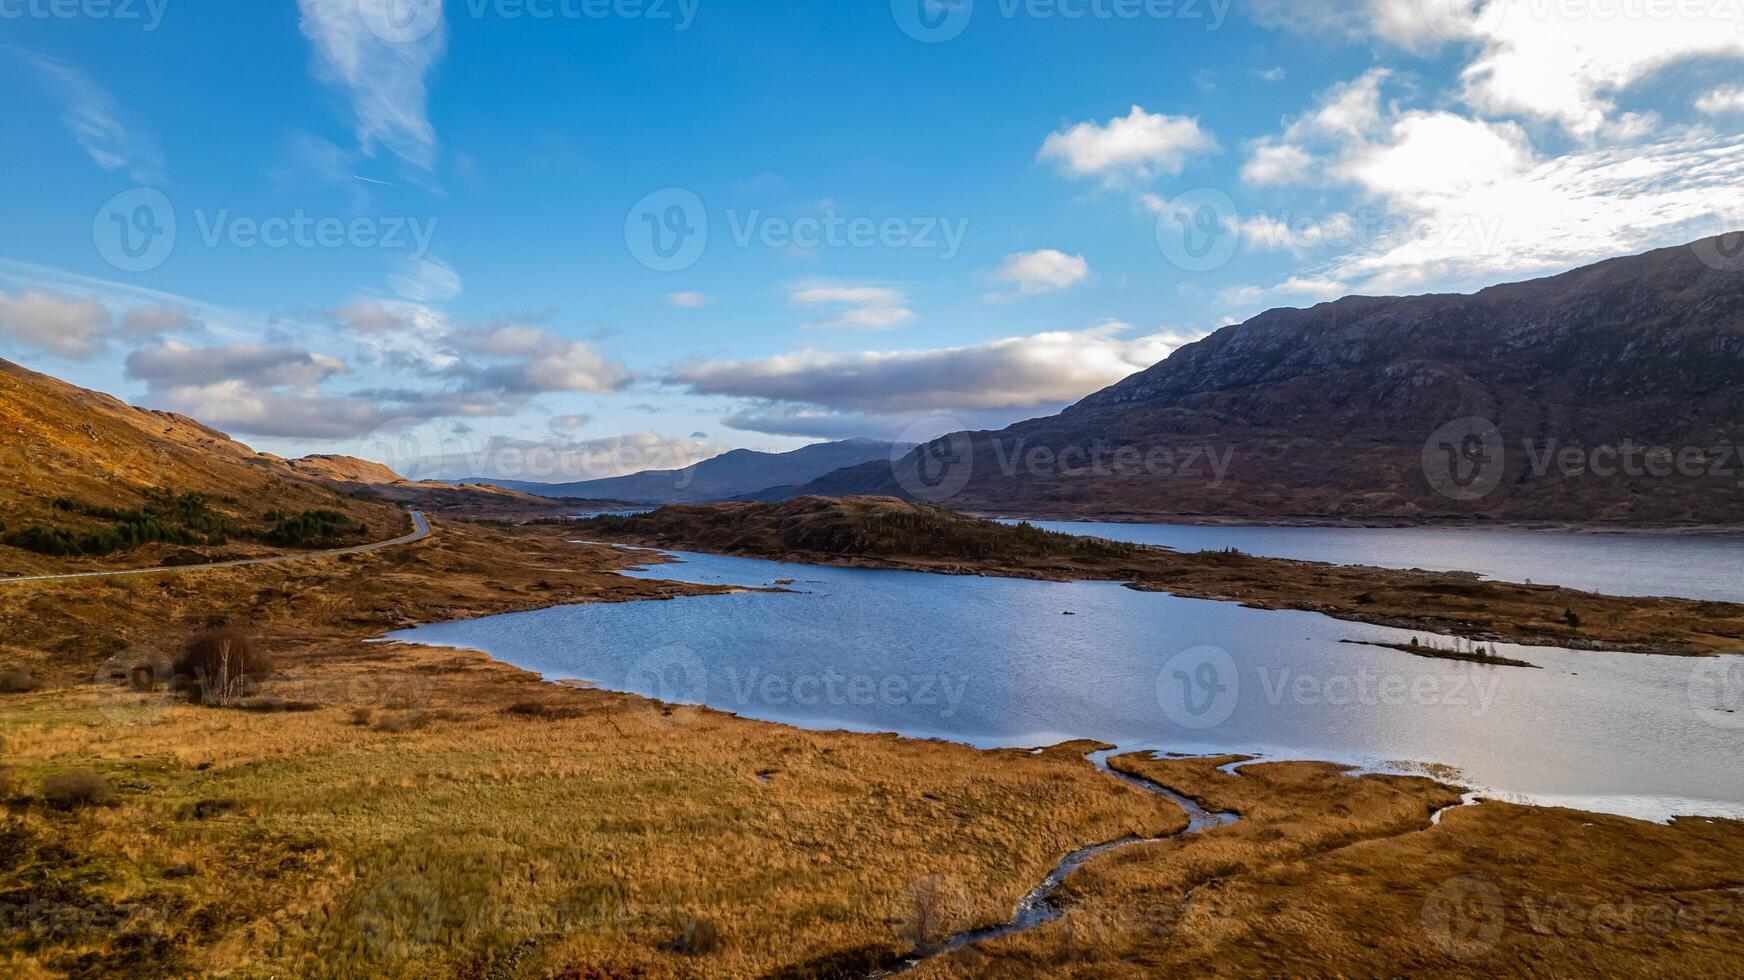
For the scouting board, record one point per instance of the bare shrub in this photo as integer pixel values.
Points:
(222, 665)
(696, 937)
(80, 787)
(931, 910)
(411, 721)
(361, 716)
(17, 681)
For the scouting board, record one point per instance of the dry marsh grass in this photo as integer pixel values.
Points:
(493, 820)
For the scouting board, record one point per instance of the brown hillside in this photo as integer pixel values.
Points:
(72, 459)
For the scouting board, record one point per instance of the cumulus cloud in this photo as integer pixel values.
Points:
(1567, 63)
(238, 406)
(687, 301)
(799, 390)
(527, 360)
(1560, 63)
(1127, 149)
(57, 325)
(1723, 100)
(175, 364)
(42, 322)
(1045, 271)
(1449, 199)
(381, 59)
(569, 423)
(509, 358)
(1346, 112)
(155, 321)
(859, 307)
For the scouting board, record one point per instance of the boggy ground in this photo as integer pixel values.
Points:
(418, 812)
(887, 533)
(1327, 873)
(423, 812)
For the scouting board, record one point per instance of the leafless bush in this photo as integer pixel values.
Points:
(696, 937)
(222, 665)
(17, 681)
(80, 787)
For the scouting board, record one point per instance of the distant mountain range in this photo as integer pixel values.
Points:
(1612, 393)
(725, 477)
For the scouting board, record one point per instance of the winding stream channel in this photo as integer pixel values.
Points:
(1038, 908)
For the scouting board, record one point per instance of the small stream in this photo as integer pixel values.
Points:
(1038, 907)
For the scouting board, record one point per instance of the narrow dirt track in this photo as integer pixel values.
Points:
(420, 531)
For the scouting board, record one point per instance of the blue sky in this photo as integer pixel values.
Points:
(502, 267)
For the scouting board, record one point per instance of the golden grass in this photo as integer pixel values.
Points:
(479, 837)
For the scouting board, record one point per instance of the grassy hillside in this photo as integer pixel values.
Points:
(88, 481)
(873, 527)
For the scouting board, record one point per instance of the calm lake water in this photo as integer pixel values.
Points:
(994, 662)
(1690, 566)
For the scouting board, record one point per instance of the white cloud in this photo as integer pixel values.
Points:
(92, 116)
(687, 301)
(1014, 373)
(570, 423)
(506, 358)
(144, 322)
(1726, 99)
(1420, 26)
(384, 77)
(1295, 287)
(862, 307)
(173, 363)
(426, 280)
(57, 325)
(236, 406)
(1135, 147)
(1271, 74)
(1044, 271)
(1345, 112)
(1567, 62)
(1276, 163)
(1438, 155)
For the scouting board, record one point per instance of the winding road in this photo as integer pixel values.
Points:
(420, 531)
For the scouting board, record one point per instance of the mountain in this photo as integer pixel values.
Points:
(724, 477)
(346, 469)
(1612, 393)
(84, 475)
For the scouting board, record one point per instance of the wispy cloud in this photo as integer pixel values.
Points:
(860, 307)
(382, 62)
(93, 117)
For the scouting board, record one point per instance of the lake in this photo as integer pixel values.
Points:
(996, 662)
(1633, 564)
